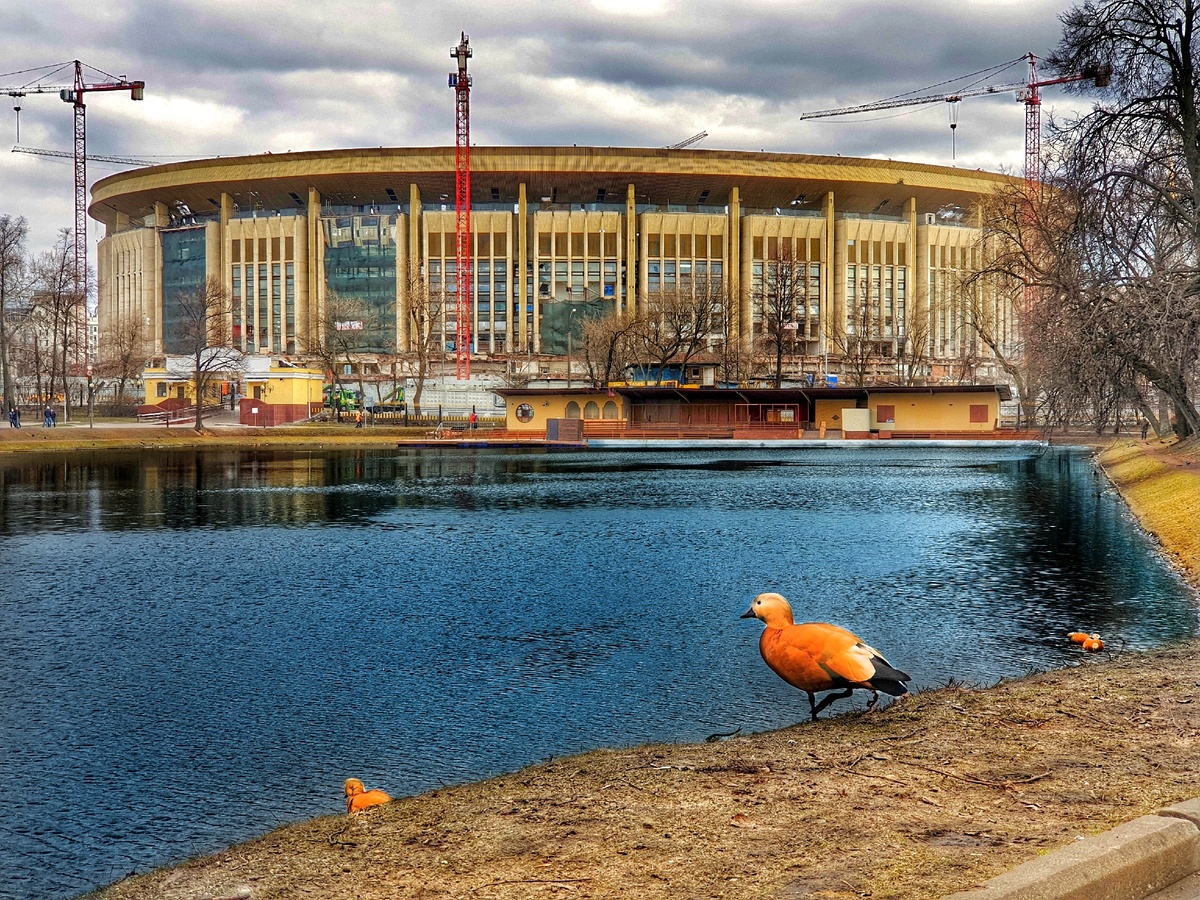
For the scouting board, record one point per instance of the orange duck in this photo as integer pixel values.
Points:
(357, 797)
(817, 656)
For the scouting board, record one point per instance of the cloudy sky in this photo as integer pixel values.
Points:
(227, 77)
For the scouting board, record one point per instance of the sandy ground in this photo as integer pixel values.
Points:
(932, 795)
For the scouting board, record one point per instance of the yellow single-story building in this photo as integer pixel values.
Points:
(265, 390)
(848, 412)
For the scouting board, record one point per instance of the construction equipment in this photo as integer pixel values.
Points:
(74, 94)
(694, 139)
(119, 160)
(1027, 92)
(461, 82)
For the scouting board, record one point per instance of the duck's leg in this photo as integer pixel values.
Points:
(829, 698)
(874, 701)
(812, 704)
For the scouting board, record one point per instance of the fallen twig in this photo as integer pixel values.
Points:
(1003, 785)
(712, 738)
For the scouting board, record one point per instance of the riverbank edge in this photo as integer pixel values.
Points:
(1159, 484)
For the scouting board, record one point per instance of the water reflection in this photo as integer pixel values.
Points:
(188, 623)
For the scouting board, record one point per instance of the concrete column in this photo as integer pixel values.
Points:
(415, 276)
(633, 258)
(521, 262)
(835, 273)
(316, 269)
(733, 268)
(837, 306)
(920, 288)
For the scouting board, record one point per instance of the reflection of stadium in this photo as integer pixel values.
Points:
(558, 234)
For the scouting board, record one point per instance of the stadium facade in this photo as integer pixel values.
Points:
(558, 233)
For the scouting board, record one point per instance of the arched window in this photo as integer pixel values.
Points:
(591, 410)
(572, 410)
(610, 410)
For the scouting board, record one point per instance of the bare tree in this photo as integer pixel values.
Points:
(123, 355)
(1129, 173)
(782, 301)
(54, 304)
(678, 321)
(427, 335)
(856, 338)
(13, 233)
(609, 346)
(203, 331)
(914, 344)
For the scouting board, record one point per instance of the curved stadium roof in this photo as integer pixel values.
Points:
(381, 176)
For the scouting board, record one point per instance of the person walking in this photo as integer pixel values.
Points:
(12, 417)
(47, 417)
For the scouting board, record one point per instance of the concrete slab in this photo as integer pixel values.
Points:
(1188, 889)
(1130, 862)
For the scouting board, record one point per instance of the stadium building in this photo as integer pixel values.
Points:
(558, 234)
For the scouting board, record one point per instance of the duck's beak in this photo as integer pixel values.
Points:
(748, 614)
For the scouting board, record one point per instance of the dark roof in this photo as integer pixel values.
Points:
(763, 395)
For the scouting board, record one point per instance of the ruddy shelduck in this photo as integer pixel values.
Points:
(817, 656)
(357, 797)
(1093, 643)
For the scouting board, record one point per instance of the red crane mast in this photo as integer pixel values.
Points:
(461, 82)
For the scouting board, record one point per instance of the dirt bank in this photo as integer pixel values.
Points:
(930, 796)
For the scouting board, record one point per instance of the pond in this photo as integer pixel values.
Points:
(199, 646)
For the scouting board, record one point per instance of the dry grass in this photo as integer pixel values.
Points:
(929, 796)
(1162, 486)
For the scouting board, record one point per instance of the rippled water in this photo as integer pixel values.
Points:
(200, 646)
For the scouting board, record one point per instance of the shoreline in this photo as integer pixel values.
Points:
(922, 799)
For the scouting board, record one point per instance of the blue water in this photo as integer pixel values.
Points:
(200, 646)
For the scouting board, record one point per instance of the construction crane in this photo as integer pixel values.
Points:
(461, 82)
(74, 94)
(694, 139)
(121, 160)
(1027, 92)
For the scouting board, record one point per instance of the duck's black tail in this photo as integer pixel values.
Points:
(888, 679)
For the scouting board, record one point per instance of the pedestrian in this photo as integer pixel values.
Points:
(1145, 429)
(17, 415)
(12, 417)
(47, 415)
(358, 419)
(472, 419)
(53, 417)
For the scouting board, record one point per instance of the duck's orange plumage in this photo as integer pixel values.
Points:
(1093, 643)
(817, 656)
(357, 797)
